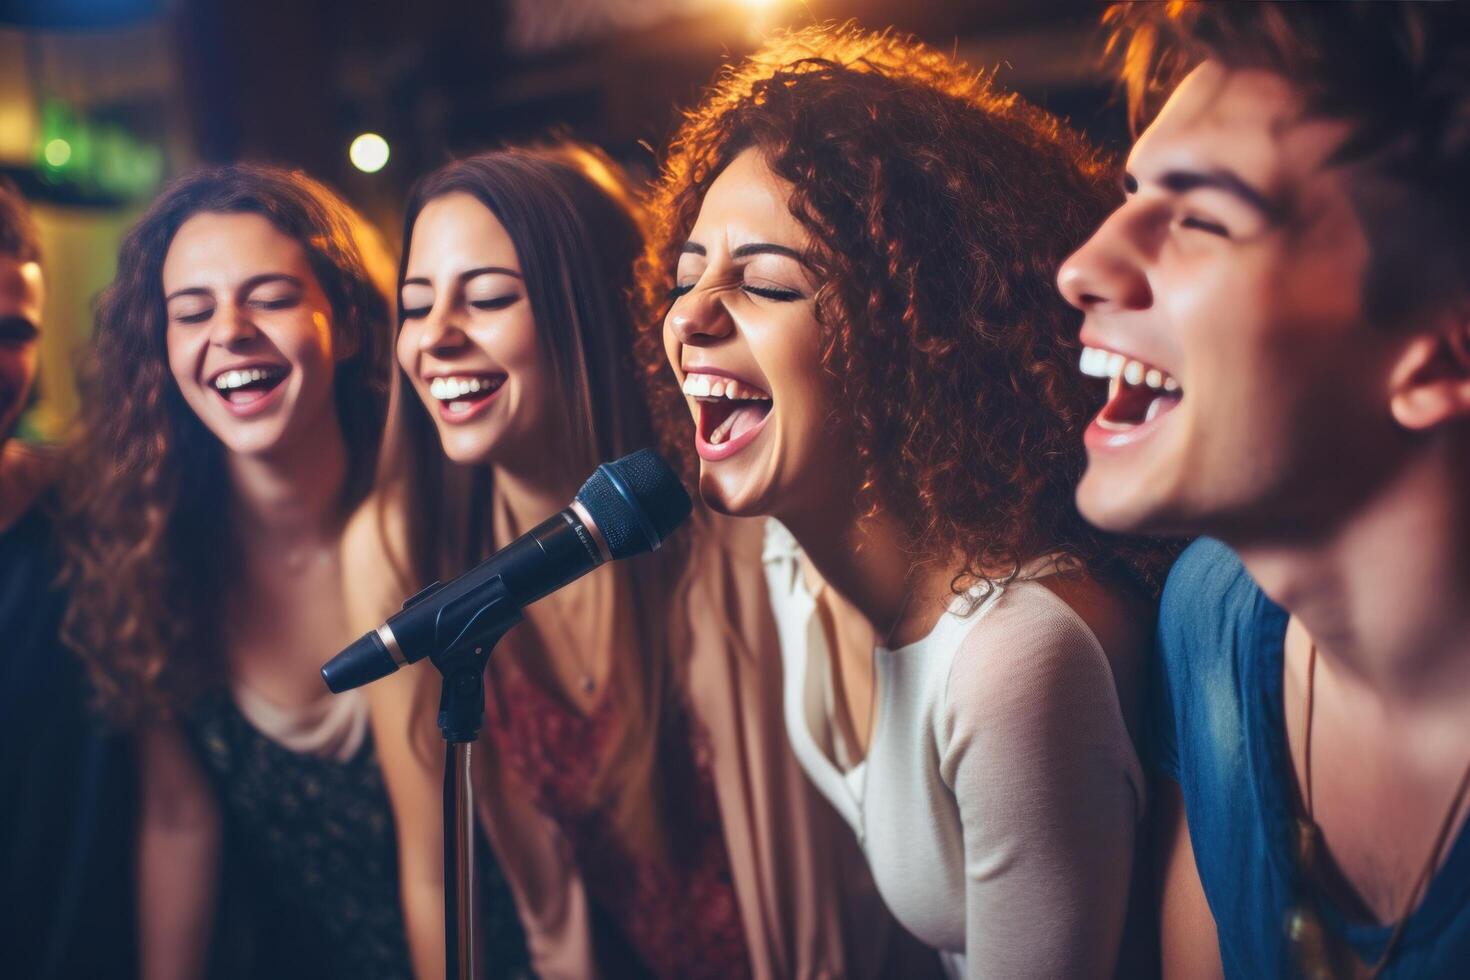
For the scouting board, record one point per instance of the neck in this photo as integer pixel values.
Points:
(1385, 592)
(866, 562)
(292, 496)
(24, 473)
(529, 496)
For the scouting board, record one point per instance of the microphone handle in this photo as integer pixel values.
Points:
(557, 551)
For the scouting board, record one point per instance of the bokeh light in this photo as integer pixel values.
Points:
(368, 153)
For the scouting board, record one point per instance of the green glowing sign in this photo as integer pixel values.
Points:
(95, 157)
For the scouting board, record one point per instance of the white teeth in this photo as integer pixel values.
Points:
(715, 386)
(450, 389)
(230, 380)
(1154, 408)
(1098, 363)
(1093, 363)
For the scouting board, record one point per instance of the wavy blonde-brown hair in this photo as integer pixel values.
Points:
(146, 490)
(939, 208)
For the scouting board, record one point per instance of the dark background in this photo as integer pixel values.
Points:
(140, 90)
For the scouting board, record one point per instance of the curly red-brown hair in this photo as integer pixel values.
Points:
(939, 208)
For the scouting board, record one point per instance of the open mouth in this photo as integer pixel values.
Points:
(244, 387)
(463, 396)
(1138, 393)
(731, 413)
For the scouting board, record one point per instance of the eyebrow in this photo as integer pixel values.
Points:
(483, 270)
(191, 291)
(1221, 179)
(245, 287)
(746, 251)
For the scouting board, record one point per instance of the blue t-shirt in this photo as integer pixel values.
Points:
(1218, 730)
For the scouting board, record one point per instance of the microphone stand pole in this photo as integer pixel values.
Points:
(461, 664)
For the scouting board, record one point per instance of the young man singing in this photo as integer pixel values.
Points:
(1282, 308)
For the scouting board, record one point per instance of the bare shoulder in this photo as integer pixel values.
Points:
(375, 559)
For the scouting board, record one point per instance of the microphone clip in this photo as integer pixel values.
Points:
(461, 657)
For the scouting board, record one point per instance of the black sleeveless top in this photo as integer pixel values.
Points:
(309, 870)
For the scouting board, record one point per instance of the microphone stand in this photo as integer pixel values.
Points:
(461, 664)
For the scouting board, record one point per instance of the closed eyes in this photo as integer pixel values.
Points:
(1204, 224)
(489, 304)
(765, 292)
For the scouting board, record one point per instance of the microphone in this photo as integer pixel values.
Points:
(627, 507)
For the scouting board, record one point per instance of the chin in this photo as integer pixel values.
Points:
(1126, 507)
(250, 444)
(471, 455)
(730, 497)
(1110, 507)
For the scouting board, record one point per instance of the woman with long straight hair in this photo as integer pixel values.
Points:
(633, 780)
(233, 404)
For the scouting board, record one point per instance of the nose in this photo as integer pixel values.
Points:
(231, 326)
(1108, 272)
(700, 316)
(441, 331)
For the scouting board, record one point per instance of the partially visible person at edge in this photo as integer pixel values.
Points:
(858, 236)
(64, 833)
(233, 402)
(1281, 306)
(632, 775)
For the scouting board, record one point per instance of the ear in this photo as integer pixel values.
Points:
(1431, 383)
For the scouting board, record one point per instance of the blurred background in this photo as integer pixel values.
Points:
(102, 101)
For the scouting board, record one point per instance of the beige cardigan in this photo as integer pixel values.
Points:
(807, 902)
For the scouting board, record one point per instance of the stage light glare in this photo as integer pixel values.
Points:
(57, 152)
(759, 4)
(368, 153)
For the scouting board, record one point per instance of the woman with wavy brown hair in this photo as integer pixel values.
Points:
(634, 774)
(859, 238)
(233, 402)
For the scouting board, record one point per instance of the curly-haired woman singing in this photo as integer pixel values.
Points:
(862, 237)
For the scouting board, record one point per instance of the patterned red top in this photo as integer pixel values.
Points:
(680, 918)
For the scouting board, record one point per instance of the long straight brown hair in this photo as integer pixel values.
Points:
(577, 233)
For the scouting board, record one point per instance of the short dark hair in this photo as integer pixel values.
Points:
(18, 238)
(1398, 73)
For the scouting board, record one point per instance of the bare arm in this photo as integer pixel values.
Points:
(178, 858)
(1191, 949)
(413, 780)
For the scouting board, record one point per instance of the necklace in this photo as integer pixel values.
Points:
(1314, 945)
(586, 677)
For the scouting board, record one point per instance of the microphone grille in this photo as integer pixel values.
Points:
(637, 501)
